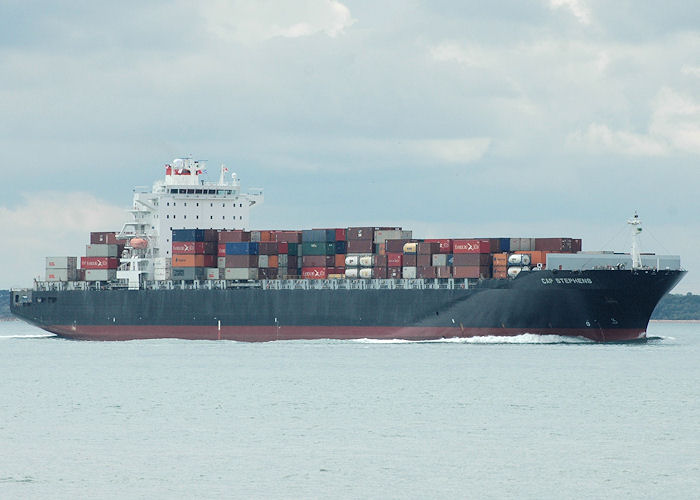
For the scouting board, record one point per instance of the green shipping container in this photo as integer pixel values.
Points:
(318, 248)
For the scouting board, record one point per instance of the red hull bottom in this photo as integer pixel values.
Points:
(269, 333)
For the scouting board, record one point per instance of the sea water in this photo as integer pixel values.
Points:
(526, 417)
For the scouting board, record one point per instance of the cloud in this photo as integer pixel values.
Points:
(456, 151)
(674, 127)
(50, 224)
(600, 138)
(687, 69)
(577, 7)
(467, 55)
(252, 22)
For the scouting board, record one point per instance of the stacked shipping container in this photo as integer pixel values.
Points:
(194, 254)
(61, 268)
(101, 258)
(355, 252)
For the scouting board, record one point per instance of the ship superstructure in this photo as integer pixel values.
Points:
(183, 199)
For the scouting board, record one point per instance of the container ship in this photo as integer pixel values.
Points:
(186, 265)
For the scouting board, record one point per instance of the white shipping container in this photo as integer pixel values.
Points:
(221, 262)
(212, 273)
(263, 260)
(241, 273)
(61, 262)
(101, 251)
(409, 272)
(100, 274)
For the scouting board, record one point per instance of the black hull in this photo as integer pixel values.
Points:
(605, 305)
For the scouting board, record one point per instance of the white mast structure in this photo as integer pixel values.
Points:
(636, 226)
(181, 200)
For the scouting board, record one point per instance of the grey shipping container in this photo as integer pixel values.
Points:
(58, 274)
(263, 260)
(221, 262)
(241, 273)
(439, 259)
(212, 273)
(189, 273)
(101, 251)
(381, 235)
(61, 262)
(100, 274)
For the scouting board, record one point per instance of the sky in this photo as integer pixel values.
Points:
(450, 118)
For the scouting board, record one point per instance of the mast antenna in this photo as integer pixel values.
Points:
(636, 225)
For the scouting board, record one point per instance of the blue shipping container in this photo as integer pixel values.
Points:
(505, 245)
(321, 235)
(341, 247)
(188, 234)
(242, 248)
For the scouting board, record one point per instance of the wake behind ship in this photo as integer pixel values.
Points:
(165, 276)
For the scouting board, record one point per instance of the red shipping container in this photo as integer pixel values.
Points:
(360, 233)
(424, 260)
(380, 272)
(471, 246)
(211, 235)
(394, 259)
(410, 260)
(393, 272)
(340, 234)
(288, 236)
(426, 272)
(428, 248)
(236, 236)
(314, 273)
(268, 273)
(318, 260)
(360, 246)
(340, 260)
(472, 259)
(195, 247)
(273, 261)
(445, 245)
(241, 261)
(395, 246)
(381, 260)
(443, 272)
(282, 247)
(99, 262)
(576, 245)
(221, 250)
(103, 238)
(471, 272)
(554, 244)
(267, 247)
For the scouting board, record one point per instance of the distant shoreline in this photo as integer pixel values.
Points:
(674, 321)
